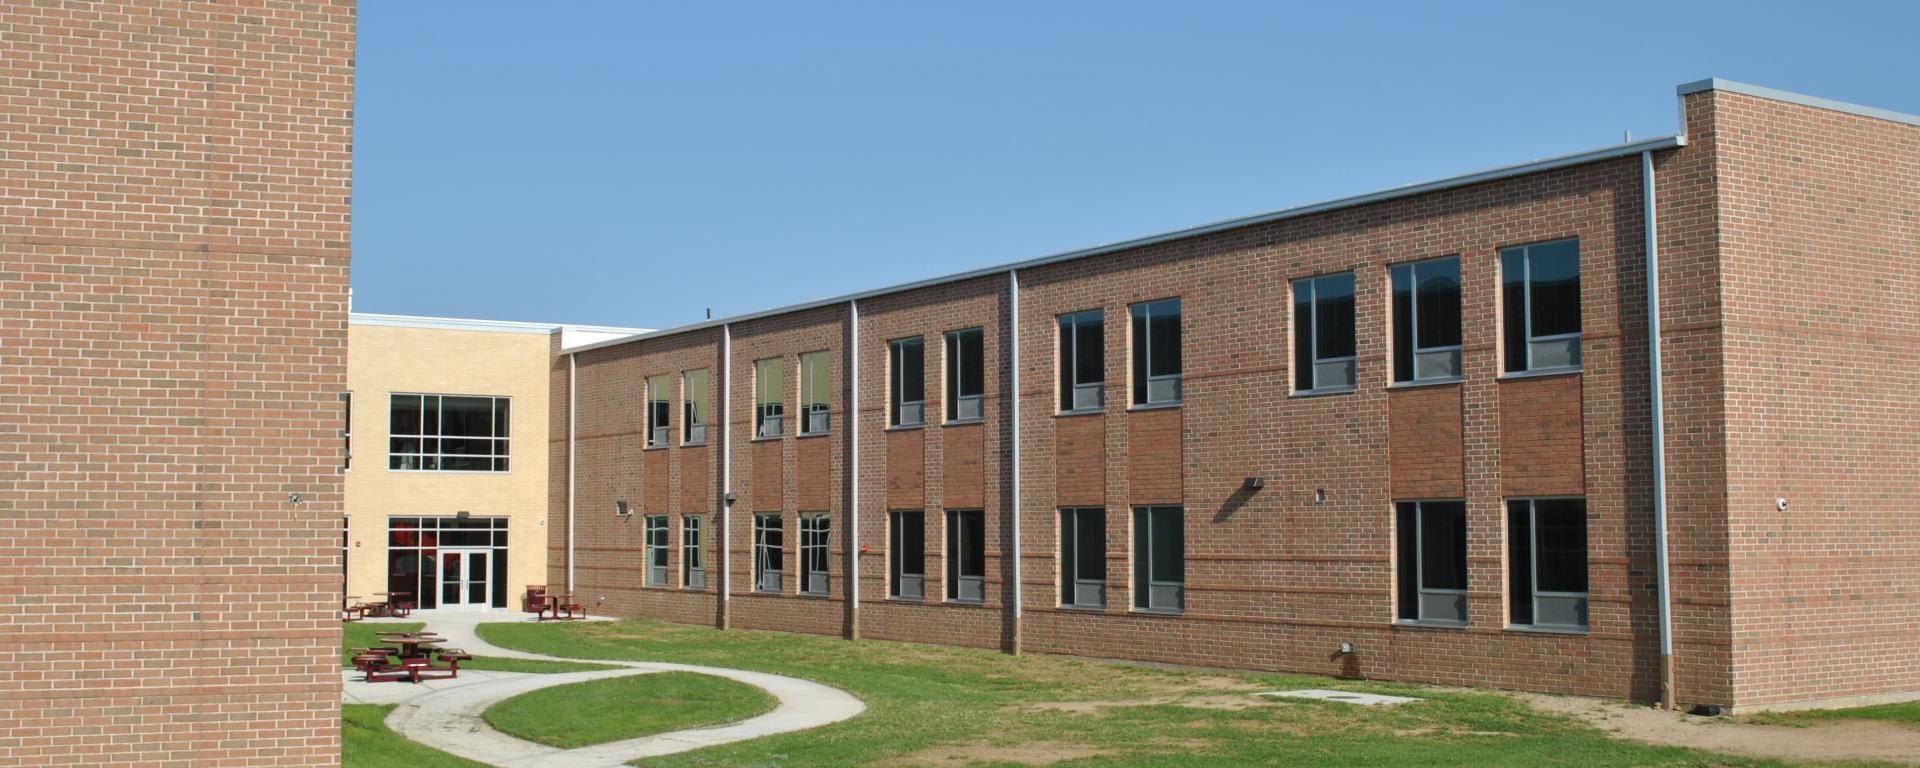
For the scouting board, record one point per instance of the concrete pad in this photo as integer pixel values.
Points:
(1344, 697)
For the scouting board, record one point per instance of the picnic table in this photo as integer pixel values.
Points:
(349, 608)
(561, 606)
(412, 644)
(413, 663)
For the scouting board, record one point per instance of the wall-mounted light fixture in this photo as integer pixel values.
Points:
(1253, 483)
(296, 499)
(620, 509)
(462, 515)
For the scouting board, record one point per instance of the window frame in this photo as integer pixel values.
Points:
(1145, 587)
(896, 383)
(693, 552)
(956, 372)
(1527, 339)
(499, 462)
(1411, 320)
(346, 431)
(1072, 586)
(656, 532)
(769, 546)
(816, 530)
(1309, 335)
(966, 530)
(1582, 600)
(816, 407)
(1140, 330)
(1071, 327)
(659, 410)
(769, 398)
(897, 575)
(693, 426)
(1418, 567)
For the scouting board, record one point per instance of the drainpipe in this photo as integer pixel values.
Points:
(853, 464)
(571, 389)
(1013, 352)
(726, 473)
(1664, 577)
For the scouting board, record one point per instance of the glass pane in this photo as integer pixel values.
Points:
(1403, 322)
(1513, 308)
(1443, 545)
(770, 381)
(404, 417)
(1139, 353)
(500, 417)
(1142, 553)
(913, 543)
(1303, 335)
(1406, 559)
(1091, 544)
(973, 552)
(913, 371)
(819, 379)
(1333, 323)
(695, 384)
(973, 362)
(1556, 287)
(1439, 324)
(1069, 565)
(1562, 560)
(1163, 329)
(466, 417)
(1089, 349)
(1520, 562)
(1169, 546)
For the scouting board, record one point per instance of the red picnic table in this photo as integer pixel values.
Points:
(562, 606)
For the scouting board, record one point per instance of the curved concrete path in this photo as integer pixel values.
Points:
(448, 717)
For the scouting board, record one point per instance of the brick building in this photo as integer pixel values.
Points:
(1407, 435)
(174, 205)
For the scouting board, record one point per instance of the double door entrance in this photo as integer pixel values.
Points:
(465, 578)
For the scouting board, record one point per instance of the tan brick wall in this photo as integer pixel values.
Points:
(173, 280)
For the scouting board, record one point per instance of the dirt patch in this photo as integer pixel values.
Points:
(971, 752)
(1846, 740)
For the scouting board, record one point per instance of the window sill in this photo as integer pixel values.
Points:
(1079, 412)
(1426, 383)
(656, 447)
(814, 595)
(1529, 629)
(1429, 624)
(767, 593)
(450, 471)
(899, 599)
(701, 444)
(906, 427)
(767, 439)
(1347, 390)
(962, 422)
(812, 434)
(1084, 608)
(1155, 406)
(1173, 612)
(1538, 374)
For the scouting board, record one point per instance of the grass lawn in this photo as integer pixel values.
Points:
(600, 711)
(357, 635)
(1906, 712)
(365, 742)
(937, 705)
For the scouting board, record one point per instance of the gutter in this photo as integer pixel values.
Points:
(853, 464)
(1013, 352)
(1659, 417)
(726, 473)
(571, 400)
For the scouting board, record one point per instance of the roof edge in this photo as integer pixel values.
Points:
(1761, 91)
(1670, 141)
(467, 324)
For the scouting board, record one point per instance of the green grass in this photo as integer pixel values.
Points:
(356, 635)
(1906, 712)
(599, 711)
(927, 704)
(365, 742)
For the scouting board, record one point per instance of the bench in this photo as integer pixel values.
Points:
(453, 657)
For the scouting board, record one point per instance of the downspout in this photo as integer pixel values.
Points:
(1013, 352)
(571, 389)
(726, 473)
(1664, 577)
(853, 463)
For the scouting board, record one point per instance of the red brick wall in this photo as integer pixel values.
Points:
(173, 283)
(1820, 247)
(1425, 449)
(1540, 437)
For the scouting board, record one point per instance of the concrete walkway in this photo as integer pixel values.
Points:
(445, 714)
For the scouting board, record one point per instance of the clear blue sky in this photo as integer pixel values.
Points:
(630, 163)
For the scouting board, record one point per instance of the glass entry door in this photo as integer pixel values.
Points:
(464, 578)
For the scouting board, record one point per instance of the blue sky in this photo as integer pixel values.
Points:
(635, 163)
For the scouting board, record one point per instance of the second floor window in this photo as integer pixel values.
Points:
(769, 392)
(1323, 343)
(656, 550)
(447, 433)
(907, 388)
(1540, 306)
(659, 411)
(1156, 352)
(1083, 361)
(1426, 320)
(816, 381)
(966, 382)
(694, 408)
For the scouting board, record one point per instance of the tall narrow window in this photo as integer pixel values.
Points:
(656, 550)
(693, 409)
(1540, 304)
(769, 397)
(816, 379)
(1159, 559)
(1547, 562)
(1432, 554)
(966, 381)
(659, 411)
(447, 433)
(346, 430)
(1156, 352)
(1083, 558)
(908, 389)
(1083, 361)
(769, 547)
(813, 554)
(693, 560)
(1426, 320)
(1323, 333)
(907, 554)
(966, 556)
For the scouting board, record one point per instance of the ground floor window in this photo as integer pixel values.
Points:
(1083, 558)
(1547, 563)
(769, 547)
(693, 561)
(1432, 555)
(813, 554)
(907, 555)
(656, 550)
(1159, 559)
(447, 562)
(966, 556)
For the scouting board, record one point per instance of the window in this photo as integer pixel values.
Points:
(1083, 361)
(966, 556)
(1159, 559)
(813, 554)
(694, 407)
(908, 539)
(966, 381)
(346, 431)
(693, 561)
(1156, 352)
(1083, 558)
(1432, 551)
(659, 411)
(768, 546)
(1547, 562)
(770, 393)
(1426, 320)
(656, 550)
(907, 368)
(1323, 333)
(816, 380)
(447, 433)
(423, 567)
(1540, 301)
